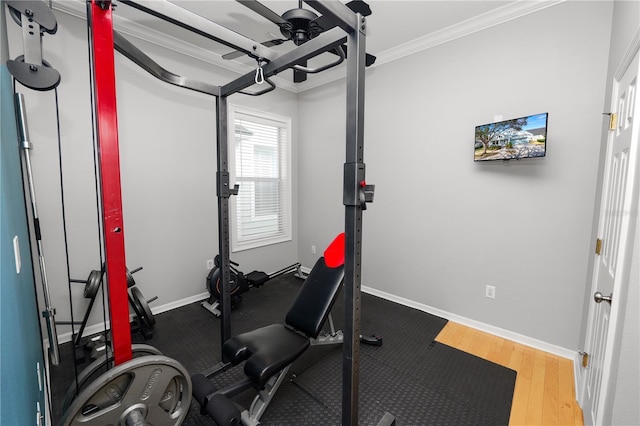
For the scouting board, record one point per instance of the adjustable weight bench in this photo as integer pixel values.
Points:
(269, 351)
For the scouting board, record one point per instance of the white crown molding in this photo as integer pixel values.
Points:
(470, 26)
(473, 25)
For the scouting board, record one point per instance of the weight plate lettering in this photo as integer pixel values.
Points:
(100, 366)
(153, 387)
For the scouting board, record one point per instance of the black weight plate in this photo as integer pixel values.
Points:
(141, 303)
(156, 386)
(93, 284)
(99, 367)
(130, 281)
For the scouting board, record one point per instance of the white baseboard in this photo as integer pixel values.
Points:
(496, 331)
(97, 328)
(179, 303)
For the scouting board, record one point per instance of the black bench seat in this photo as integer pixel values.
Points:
(267, 350)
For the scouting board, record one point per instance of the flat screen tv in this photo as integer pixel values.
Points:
(515, 139)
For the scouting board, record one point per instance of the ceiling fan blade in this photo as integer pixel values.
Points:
(274, 42)
(238, 53)
(233, 55)
(263, 10)
(300, 76)
(368, 61)
(359, 6)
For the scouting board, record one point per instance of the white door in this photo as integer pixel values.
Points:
(615, 230)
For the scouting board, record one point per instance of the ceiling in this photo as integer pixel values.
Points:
(392, 22)
(395, 29)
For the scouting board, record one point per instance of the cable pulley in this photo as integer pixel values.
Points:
(35, 18)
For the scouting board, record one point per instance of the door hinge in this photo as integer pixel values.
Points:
(613, 118)
(585, 359)
(598, 246)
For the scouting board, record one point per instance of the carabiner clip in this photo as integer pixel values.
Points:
(259, 74)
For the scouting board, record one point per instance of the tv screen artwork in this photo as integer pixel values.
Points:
(523, 137)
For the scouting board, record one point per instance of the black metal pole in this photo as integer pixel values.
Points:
(223, 192)
(353, 199)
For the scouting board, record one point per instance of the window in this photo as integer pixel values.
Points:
(260, 163)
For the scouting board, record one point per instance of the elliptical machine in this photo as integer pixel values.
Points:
(239, 283)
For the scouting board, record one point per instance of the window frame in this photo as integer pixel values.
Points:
(284, 177)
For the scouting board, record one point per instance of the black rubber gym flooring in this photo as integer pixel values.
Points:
(420, 381)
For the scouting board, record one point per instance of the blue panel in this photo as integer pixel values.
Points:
(20, 339)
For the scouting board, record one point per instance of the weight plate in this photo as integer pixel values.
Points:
(155, 387)
(93, 284)
(100, 366)
(142, 306)
(130, 281)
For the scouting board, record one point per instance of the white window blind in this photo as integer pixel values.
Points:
(260, 164)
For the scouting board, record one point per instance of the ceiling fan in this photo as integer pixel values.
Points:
(301, 25)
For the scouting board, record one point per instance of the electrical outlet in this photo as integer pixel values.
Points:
(210, 264)
(490, 291)
(313, 249)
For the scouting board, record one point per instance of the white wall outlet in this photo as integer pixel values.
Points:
(313, 249)
(209, 264)
(490, 291)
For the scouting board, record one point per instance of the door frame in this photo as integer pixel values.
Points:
(621, 281)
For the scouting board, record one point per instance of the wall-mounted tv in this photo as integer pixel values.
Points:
(515, 139)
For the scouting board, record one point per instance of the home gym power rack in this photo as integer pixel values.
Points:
(350, 29)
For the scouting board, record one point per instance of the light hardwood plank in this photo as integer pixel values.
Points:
(544, 392)
(551, 401)
(536, 393)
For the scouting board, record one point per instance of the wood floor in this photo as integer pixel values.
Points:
(544, 392)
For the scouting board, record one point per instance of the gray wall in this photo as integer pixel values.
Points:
(442, 226)
(168, 161)
(626, 362)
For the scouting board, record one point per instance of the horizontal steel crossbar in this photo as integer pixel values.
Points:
(138, 57)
